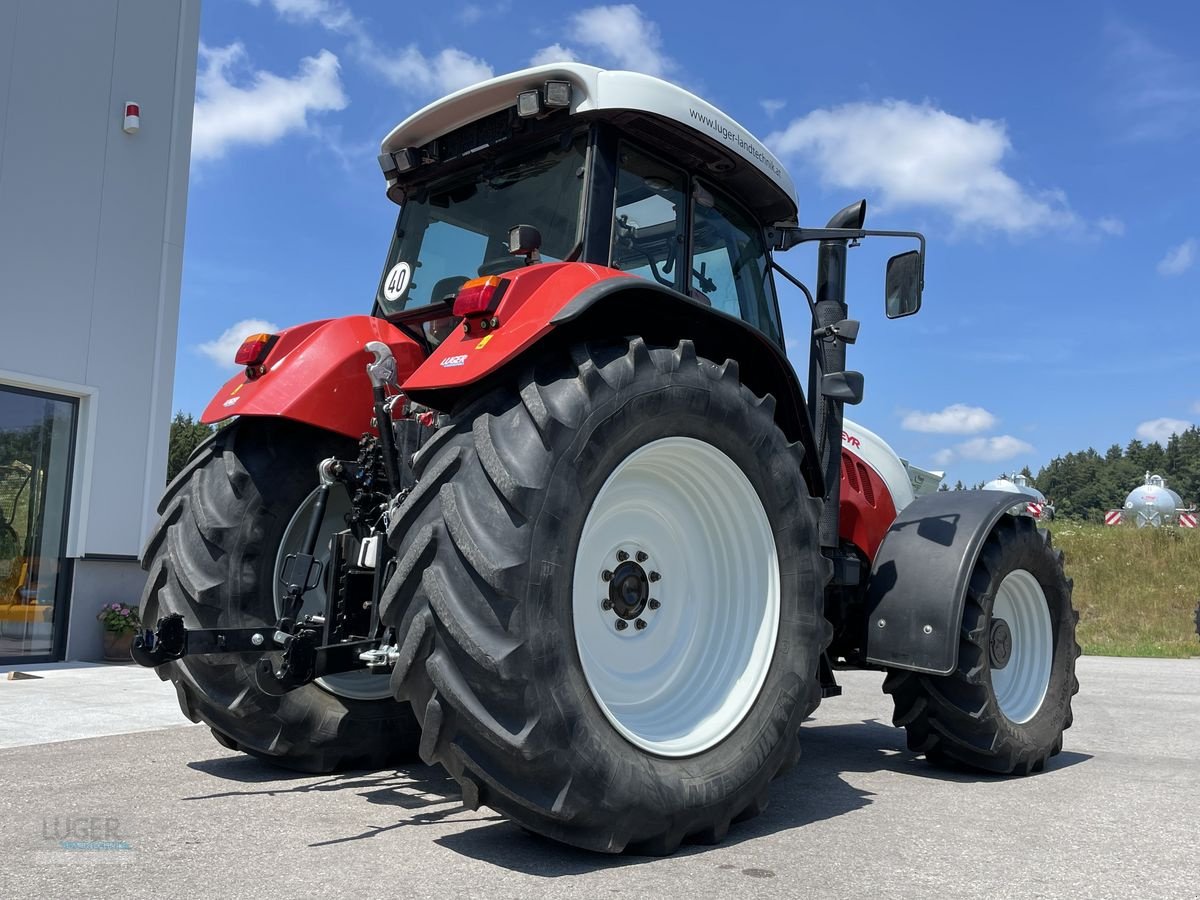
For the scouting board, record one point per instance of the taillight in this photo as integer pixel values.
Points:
(479, 296)
(254, 349)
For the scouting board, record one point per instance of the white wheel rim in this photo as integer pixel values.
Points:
(351, 685)
(1020, 686)
(680, 684)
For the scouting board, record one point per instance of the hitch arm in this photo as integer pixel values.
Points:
(171, 639)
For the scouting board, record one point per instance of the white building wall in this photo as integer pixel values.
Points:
(91, 236)
(91, 251)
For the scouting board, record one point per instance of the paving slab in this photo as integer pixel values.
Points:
(71, 701)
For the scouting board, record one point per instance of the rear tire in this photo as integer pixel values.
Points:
(527, 691)
(213, 559)
(1006, 706)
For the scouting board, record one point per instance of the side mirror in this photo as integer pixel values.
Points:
(902, 287)
(844, 386)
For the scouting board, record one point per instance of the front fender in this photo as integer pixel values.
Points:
(316, 373)
(919, 578)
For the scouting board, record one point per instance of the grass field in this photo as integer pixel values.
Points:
(1136, 589)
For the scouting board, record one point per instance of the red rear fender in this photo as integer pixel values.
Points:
(532, 298)
(316, 373)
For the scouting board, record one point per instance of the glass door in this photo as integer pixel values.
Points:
(36, 440)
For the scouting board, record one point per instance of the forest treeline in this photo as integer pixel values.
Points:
(1084, 485)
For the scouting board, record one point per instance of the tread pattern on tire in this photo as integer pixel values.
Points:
(470, 662)
(212, 538)
(954, 719)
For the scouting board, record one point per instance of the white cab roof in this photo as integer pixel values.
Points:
(593, 90)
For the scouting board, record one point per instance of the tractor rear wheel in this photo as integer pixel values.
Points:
(1005, 707)
(228, 521)
(609, 599)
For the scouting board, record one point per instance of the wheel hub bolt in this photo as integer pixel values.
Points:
(622, 556)
(654, 576)
(641, 556)
(641, 623)
(654, 604)
(606, 575)
(622, 624)
(606, 603)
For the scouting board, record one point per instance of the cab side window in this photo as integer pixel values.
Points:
(650, 218)
(730, 267)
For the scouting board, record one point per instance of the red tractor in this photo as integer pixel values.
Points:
(557, 515)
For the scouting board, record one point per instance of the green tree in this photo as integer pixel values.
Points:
(186, 435)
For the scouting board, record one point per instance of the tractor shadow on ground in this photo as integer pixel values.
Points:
(813, 791)
(426, 791)
(876, 746)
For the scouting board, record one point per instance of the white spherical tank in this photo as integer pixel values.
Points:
(1019, 484)
(1153, 503)
(1015, 484)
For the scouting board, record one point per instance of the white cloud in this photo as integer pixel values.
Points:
(1179, 258)
(770, 107)
(553, 54)
(470, 14)
(984, 449)
(624, 35)
(1160, 430)
(921, 156)
(264, 106)
(407, 68)
(222, 350)
(958, 418)
(1111, 225)
(326, 13)
(446, 71)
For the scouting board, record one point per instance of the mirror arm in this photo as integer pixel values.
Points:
(798, 283)
(784, 237)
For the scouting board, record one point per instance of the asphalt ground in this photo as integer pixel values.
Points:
(169, 813)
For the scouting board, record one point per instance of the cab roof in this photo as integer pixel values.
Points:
(692, 130)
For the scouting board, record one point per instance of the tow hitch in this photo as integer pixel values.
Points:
(304, 658)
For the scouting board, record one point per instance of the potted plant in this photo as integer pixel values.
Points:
(120, 624)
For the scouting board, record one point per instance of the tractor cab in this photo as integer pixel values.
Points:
(615, 169)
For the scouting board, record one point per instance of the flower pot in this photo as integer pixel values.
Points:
(117, 644)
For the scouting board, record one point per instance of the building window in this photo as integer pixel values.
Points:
(36, 439)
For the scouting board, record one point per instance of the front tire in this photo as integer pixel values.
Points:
(541, 518)
(214, 558)
(1006, 706)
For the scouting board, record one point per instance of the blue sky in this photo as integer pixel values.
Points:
(1048, 151)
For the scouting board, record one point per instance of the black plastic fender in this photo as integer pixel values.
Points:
(919, 578)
